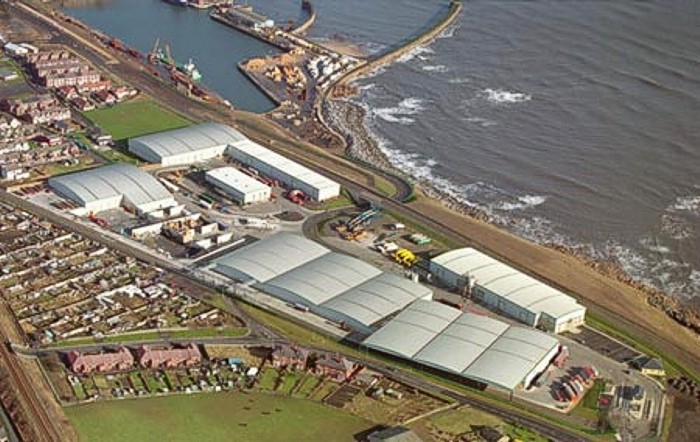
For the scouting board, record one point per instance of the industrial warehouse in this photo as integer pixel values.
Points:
(185, 146)
(291, 174)
(476, 347)
(239, 186)
(507, 290)
(207, 141)
(335, 286)
(109, 187)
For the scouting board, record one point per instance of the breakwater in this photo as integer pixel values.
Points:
(382, 60)
(426, 37)
(303, 27)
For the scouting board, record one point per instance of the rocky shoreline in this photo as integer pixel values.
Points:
(349, 120)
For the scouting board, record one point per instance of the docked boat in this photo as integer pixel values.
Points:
(177, 2)
(190, 70)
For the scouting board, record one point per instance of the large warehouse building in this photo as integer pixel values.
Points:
(239, 186)
(277, 167)
(335, 286)
(507, 290)
(472, 346)
(111, 186)
(187, 145)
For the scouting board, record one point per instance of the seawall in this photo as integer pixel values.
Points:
(309, 7)
(453, 12)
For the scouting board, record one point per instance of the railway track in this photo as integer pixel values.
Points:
(35, 412)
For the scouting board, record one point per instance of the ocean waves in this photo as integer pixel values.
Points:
(402, 112)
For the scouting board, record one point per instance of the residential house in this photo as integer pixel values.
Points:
(650, 366)
(169, 357)
(122, 359)
(334, 367)
(290, 357)
(394, 434)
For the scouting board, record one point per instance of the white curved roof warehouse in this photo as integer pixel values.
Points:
(268, 258)
(477, 347)
(333, 285)
(509, 290)
(187, 145)
(110, 186)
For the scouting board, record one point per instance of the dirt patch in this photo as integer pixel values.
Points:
(290, 216)
(686, 419)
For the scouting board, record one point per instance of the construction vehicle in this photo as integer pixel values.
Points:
(363, 218)
(354, 234)
(405, 257)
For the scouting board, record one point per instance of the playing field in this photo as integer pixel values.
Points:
(213, 417)
(134, 118)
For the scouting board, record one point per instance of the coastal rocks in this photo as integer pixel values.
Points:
(682, 314)
(685, 386)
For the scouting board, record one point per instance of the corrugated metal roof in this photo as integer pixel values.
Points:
(271, 257)
(324, 278)
(377, 298)
(277, 161)
(474, 346)
(237, 179)
(499, 278)
(113, 180)
(190, 139)
(286, 264)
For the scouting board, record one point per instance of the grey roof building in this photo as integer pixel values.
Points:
(110, 186)
(473, 346)
(508, 290)
(336, 286)
(187, 145)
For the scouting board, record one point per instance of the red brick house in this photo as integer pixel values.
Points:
(81, 363)
(334, 367)
(290, 357)
(169, 357)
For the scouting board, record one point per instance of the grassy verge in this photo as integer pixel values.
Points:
(135, 118)
(303, 335)
(434, 234)
(153, 336)
(588, 407)
(343, 200)
(117, 156)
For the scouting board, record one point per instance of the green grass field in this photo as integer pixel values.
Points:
(213, 417)
(134, 118)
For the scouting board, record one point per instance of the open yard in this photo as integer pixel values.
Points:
(134, 118)
(213, 417)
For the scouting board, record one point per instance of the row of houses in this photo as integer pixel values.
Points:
(123, 359)
(331, 366)
(55, 69)
(37, 109)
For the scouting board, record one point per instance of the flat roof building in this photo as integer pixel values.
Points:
(109, 187)
(332, 285)
(472, 346)
(239, 186)
(507, 290)
(278, 167)
(187, 145)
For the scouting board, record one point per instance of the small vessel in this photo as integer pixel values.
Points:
(190, 70)
(177, 2)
